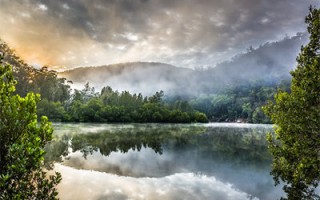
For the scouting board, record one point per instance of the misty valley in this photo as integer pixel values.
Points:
(159, 100)
(156, 92)
(162, 161)
(118, 135)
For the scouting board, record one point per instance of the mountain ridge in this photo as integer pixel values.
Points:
(268, 63)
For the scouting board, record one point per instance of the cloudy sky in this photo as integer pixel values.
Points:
(187, 33)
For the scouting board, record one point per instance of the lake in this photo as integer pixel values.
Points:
(163, 161)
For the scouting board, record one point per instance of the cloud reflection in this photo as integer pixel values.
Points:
(82, 184)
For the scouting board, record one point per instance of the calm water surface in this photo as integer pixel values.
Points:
(163, 161)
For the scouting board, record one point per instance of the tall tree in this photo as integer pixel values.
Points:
(22, 143)
(296, 143)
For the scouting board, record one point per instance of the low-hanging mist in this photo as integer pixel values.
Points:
(269, 63)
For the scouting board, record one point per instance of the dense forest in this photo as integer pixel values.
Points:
(112, 106)
(241, 103)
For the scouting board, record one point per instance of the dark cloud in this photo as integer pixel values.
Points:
(73, 33)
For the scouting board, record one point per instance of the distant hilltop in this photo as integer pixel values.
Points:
(268, 63)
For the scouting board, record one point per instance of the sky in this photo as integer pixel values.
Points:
(186, 33)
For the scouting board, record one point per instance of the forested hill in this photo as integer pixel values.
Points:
(231, 91)
(269, 64)
(145, 77)
(59, 103)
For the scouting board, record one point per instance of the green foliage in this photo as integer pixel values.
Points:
(22, 142)
(296, 145)
(242, 103)
(53, 110)
(112, 106)
(200, 117)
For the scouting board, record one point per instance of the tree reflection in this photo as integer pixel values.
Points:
(229, 144)
(121, 141)
(56, 150)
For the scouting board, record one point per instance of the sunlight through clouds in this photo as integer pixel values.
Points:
(158, 30)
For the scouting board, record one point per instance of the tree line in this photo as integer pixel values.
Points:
(86, 105)
(59, 102)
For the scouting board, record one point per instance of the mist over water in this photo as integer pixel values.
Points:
(213, 161)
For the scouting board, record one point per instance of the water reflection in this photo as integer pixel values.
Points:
(223, 143)
(115, 138)
(182, 186)
(230, 154)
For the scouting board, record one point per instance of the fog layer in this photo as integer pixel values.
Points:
(269, 63)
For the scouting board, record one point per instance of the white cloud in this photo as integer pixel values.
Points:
(42, 7)
(65, 6)
(265, 20)
(130, 36)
